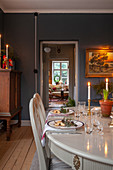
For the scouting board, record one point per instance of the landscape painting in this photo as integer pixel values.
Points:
(99, 63)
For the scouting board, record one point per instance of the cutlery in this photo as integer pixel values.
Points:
(65, 132)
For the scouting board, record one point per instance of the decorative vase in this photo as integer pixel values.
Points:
(106, 107)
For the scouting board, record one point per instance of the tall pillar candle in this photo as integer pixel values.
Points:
(89, 90)
(107, 84)
(7, 51)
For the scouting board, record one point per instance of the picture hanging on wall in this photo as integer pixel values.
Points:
(99, 63)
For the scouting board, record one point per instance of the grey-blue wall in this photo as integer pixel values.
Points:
(1, 23)
(19, 33)
(91, 30)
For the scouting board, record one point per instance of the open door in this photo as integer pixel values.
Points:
(45, 72)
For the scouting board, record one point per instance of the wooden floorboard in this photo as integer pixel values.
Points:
(19, 151)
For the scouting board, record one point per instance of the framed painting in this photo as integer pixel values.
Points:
(99, 63)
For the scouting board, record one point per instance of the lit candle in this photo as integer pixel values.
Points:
(89, 90)
(107, 84)
(0, 44)
(7, 51)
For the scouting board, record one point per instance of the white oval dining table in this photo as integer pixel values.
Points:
(84, 151)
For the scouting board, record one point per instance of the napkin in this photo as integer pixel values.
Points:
(48, 128)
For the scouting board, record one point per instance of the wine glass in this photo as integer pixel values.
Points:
(81, 106)
(88, 126)
(111, 123)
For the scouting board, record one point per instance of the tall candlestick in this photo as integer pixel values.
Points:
(89, 90)
(7, 51)
(107, 84)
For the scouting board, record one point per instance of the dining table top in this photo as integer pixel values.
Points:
(91, 146)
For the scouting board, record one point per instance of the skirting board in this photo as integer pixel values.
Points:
(23, 122)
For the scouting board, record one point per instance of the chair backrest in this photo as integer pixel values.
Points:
(37, 132)
(41, 108)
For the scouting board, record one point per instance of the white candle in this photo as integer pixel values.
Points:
(7, 51)
(0, 44)
(107, 84)
(89, 90)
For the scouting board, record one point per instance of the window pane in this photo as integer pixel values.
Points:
(64, 80)
(56, 73)
(64, 73)
(56, 65)
(64, 66)
(56, 76)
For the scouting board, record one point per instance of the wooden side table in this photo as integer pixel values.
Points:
(10, 94)
(8, 117)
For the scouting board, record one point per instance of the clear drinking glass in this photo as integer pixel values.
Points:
(77, 113)
(88, 125)
(81, 106)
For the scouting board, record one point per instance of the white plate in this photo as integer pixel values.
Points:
(96, 109)
(78, 123)
(70, 112)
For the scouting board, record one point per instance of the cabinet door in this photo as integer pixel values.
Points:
(4, 91)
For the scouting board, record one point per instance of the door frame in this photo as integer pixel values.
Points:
(75, 43)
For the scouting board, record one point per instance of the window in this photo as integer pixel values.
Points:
(60, 70)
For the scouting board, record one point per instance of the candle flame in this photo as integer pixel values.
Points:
(106, 80)
(89, 83)
(0, 35)
(7, 45)
(106, 149)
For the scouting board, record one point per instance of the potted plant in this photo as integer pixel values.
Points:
(106, 105)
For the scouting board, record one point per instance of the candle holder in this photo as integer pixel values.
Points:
(111, 123)
(7, 64)
(89, 112)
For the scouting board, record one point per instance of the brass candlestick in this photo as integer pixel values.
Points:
(89, 112)
(7, 64)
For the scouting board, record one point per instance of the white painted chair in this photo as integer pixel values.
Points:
(37, 131)
(43, 157)
(41, 109)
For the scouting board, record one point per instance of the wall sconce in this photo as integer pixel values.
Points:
(47, 49)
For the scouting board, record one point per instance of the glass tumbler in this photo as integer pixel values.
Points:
(81, 106)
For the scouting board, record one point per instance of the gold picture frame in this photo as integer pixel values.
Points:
(99, 63)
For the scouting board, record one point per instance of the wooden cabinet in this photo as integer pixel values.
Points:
(10, 93)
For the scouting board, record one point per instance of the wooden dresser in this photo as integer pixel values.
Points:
(10, 93)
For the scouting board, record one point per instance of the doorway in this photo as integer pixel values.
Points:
(58, 52)
(59, 80)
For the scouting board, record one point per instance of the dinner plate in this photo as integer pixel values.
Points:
(96, 109)
(79, 124)
(70, 111)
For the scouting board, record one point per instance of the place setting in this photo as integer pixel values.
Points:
(61, 121)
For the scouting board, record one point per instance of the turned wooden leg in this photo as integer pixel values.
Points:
(8, 129)
(19, 119)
